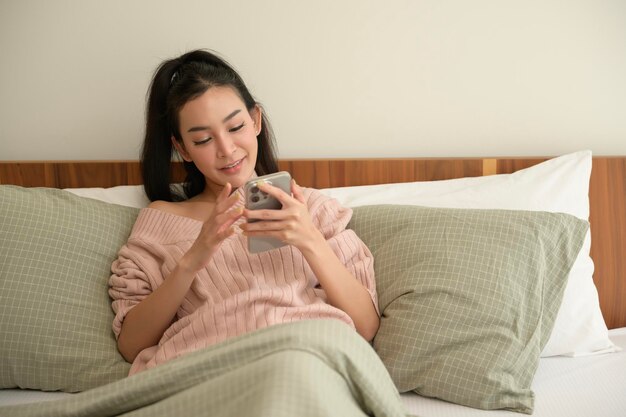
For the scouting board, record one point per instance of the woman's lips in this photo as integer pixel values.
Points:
(233, 167)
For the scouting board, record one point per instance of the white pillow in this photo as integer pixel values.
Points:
(125, 195)
(557, 185)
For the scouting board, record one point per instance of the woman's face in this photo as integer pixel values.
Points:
(220, 137)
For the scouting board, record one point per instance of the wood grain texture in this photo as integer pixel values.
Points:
(309, 173)
(352, 172)
(607, 218)
(75, 174)
(607, 195)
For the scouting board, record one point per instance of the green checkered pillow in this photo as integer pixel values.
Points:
(56, 251)
(468, 297)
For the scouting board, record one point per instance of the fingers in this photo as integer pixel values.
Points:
(275, 192)
(228, 218)
(221, 226)
(297, 192)
(225, 192)
(226, 197)
(225, 230)
(226, 214)
(264, 226)
(225, 200)
(289, 210)
(278, 230)
(263, 214)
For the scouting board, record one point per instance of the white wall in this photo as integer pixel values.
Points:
(347, 78)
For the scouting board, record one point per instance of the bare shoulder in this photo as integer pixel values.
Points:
(161, 205)
(167, 206)
(196, 210)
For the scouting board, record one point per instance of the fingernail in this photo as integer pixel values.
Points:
(260, 182)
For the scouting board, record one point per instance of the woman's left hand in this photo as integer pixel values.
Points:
(292, 224)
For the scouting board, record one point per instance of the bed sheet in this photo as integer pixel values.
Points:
(24, 396)
(564, 387)
(572, 387)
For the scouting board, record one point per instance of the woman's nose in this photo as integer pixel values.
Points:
(225, 146)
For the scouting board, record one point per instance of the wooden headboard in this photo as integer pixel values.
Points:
(607, 195)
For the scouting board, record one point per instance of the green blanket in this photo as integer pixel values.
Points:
(307, 368)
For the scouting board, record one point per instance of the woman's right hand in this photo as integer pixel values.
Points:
(215, 230)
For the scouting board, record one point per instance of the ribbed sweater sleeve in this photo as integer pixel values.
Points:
(331, 219)
(152, 251)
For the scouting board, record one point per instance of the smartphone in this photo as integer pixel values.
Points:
(258, 200)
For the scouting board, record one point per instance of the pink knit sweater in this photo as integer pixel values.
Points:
(237, 292)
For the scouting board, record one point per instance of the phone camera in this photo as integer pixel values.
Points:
(255, 198)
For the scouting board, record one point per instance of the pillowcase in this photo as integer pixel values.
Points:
(56, 251)
(557, 185)
(125, 195)
(468, 297)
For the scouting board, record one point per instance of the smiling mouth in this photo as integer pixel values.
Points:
(234, 164)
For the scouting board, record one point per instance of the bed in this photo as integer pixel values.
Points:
(548, 341)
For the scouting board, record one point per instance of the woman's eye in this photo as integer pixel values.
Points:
(234, 129)
(203, 141)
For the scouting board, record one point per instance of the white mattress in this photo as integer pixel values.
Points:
(564, 387)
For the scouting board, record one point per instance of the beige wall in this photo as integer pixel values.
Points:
(338, 78)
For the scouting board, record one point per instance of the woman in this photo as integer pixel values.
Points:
(185, 279)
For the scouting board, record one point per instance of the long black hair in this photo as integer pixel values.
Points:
(175, 82)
